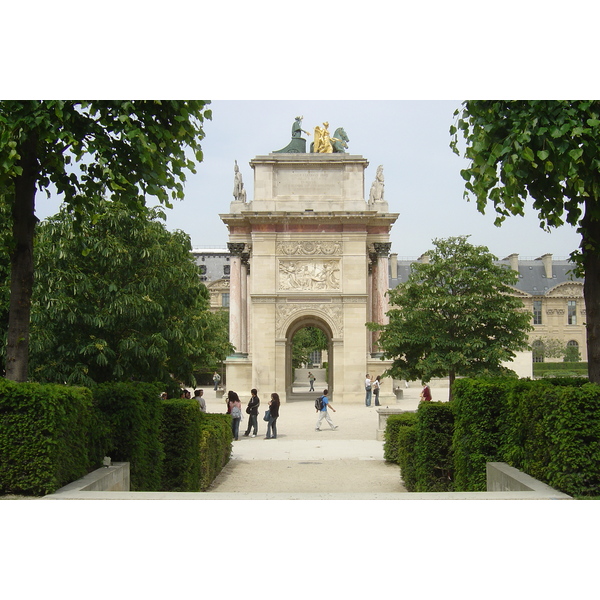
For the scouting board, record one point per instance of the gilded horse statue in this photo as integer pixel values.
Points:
(325, 144)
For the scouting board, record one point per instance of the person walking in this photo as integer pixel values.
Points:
(235, 409)
(200, 400)
(376, 386)
(311, 380)
(273, 416)
(368, 390)
(323, 413)
(252, 411)
(216, 380)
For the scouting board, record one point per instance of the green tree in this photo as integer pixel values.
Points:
(455, 315)
(119, 299)
(548, 151)
(87, 150)
(544, 347)
(306, 341)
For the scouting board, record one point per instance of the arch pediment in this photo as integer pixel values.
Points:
(218, 285)
(567, 289)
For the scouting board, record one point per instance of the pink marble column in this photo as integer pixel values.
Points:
(381, 286)
(235, 296)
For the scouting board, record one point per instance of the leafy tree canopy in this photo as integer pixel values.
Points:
(132, 307)
(305, 342)
(455, 315)
(546, 151)
(123, 150)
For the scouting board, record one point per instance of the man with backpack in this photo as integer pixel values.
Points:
(321, 404)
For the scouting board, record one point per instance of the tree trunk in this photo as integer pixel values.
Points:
(451, 378)
(590, 245)
(21, 277)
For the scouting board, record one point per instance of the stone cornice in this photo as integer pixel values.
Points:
(311, 158)
(314, 219)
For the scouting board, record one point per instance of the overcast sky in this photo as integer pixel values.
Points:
(409, 138)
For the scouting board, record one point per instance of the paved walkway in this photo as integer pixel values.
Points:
(302, 460)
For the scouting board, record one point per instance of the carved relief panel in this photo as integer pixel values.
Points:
(315, 272)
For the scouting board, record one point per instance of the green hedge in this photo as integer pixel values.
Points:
(479, 407)
(433, 467)
(180, 437)
(43, 436)
(420, 443)
(407, 438)
(549, 429)
(215, 446)
(130, 418)
(394, 423)
(552, 369)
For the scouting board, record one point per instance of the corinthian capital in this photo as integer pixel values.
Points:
(235, 249)
(382, 248)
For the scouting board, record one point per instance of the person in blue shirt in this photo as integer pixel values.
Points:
(324, 414)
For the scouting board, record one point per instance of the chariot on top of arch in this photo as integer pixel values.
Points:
(323, 142)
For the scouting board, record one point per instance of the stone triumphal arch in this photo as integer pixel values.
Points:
(307, 251)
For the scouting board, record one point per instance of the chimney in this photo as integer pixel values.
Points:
(424, 258)
(394, 265)
(514, 261)
(547, 260)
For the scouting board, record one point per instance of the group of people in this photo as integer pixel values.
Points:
(234, 408)
(372, 389)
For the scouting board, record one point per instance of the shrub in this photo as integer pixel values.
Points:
(574, 465)
(180, 436)
(479, 409)
(43, 436)
(215, 446)
(433, 469)
(392, 429)
(132, 419)
(407, 437)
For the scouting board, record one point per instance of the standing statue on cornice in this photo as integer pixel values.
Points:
(376, 193)
(239, 193)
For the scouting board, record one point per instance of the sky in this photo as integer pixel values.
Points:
(410, 138)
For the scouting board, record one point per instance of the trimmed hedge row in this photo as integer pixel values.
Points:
(51, 435)
(43, 436)
(215, 446)
(197, 446)
(421, 445)
(128, 419)
(549, 429)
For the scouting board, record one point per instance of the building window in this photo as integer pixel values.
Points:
(226, 269)
(572, 354)
(572, 312)
(225, 300)
(537, 312)
(538, 351)
(203, 269)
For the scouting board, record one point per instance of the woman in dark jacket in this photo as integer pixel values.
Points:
(252, 410)
(274, 413)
